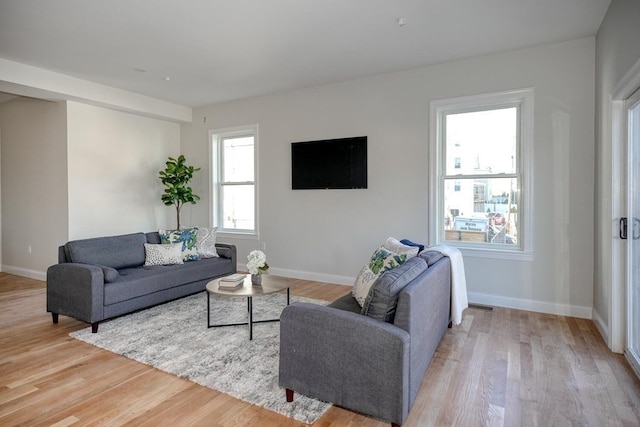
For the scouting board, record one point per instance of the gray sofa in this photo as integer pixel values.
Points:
(371, 359)
(104, 277)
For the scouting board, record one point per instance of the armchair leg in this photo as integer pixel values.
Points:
(94, 327)
(289, 395)
(395, 425)
(54, 317)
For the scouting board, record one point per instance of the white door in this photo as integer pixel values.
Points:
(632, 107)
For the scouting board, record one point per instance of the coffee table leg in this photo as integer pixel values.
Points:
(208, 310)
(250, 303)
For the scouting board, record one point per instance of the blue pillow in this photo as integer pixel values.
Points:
(410, 243)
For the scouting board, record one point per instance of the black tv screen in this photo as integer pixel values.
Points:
(329, 164)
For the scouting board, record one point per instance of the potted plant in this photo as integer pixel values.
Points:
(175, 178)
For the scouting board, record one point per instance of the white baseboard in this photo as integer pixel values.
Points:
(531, 305)
(602, 326)
(24, 272)
(307, 275)
(474, 297)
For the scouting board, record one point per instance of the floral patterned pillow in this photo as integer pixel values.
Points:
(382, 260)
(189, 239)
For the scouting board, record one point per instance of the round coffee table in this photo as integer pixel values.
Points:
(270, 284)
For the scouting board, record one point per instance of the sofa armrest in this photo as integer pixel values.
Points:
(76, 290)
(345, 358)
(226, 250)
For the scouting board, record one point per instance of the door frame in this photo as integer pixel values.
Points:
(617, 337)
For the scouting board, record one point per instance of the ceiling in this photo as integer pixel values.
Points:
(198, 52)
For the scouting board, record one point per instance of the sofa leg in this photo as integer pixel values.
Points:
(289, 395)
(395, 425)
(54, 317)
(450, 324)
(94, 327)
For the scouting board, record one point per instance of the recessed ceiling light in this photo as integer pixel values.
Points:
(401, 22)
(167, 78)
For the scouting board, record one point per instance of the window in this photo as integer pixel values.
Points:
(234, 186)
(481, 154)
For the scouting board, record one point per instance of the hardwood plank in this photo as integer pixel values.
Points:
(502, 367)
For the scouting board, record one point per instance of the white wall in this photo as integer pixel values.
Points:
(113, 164)
(34, 184)
(617, 50)
(71, 171)
(330, 234)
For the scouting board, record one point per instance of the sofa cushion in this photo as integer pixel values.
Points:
(206, 242)
(189, 239)
(381, 261)
(431, 257)
(346, 303)
(394, 245)
(163, 254)
(141, 281)
(114, 251)
(110, 274)
(382, 299)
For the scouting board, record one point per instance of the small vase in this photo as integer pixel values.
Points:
(256, 279)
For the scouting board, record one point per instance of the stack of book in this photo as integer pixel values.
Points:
(231, 282)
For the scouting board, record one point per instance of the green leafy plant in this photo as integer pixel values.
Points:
(175, 178)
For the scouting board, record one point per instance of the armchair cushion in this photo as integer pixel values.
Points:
(382, 299)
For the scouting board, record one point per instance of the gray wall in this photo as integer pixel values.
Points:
(617, 50)
(328, 235)
(71, 171)
(34, 183)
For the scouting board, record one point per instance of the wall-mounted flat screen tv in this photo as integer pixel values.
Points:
(329, 164)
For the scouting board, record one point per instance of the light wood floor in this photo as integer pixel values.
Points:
(499, 368)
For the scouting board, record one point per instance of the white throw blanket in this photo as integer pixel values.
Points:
(459, 299)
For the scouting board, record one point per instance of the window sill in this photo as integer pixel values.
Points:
(248, 235)
(493, 253)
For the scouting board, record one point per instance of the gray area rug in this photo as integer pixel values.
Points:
(174, 338)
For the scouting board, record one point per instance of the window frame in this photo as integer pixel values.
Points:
(523, 99)
(216, 137)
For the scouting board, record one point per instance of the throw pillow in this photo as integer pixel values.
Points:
(410, 243)
(207, 242)
(394, 245)
(381, 261)
(382, 299)
(189, 239)
(163, 254)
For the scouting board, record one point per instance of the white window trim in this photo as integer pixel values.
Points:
(523, 97)
(214, 179)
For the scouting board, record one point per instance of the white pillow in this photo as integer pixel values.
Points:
(394, 245)
(163, 254)
(207, 242)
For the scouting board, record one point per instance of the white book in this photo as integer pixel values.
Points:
(231, 281)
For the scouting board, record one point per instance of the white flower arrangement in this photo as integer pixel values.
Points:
(257, 262)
